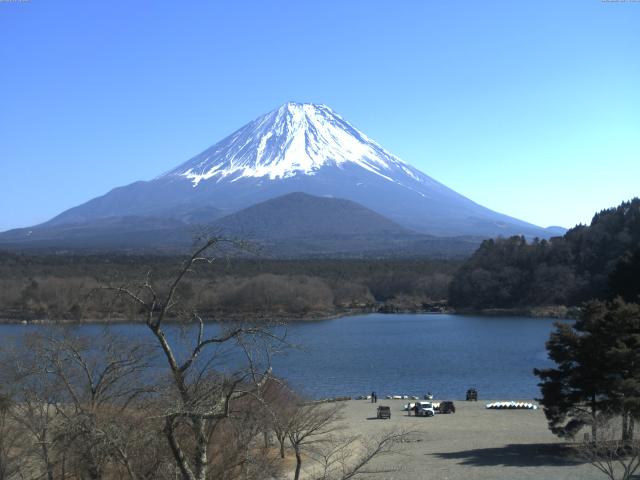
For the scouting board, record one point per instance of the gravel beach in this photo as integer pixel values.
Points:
(473, 443)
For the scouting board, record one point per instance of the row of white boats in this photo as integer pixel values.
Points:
(428, 396)
(512, 405)
(407, 397)
(507, 405)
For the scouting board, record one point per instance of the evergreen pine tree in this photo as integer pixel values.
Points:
(597, 369)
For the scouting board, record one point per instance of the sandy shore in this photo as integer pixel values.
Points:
(473, 443)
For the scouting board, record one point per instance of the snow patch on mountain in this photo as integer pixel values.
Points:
(295, 139)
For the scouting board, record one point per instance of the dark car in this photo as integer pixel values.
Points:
(472, 394)
(384, 412)
(447, 407)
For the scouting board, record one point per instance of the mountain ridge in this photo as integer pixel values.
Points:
(296, 225)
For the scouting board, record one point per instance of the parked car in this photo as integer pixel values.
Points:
(425, 409)
(447, 407)
(384, 412)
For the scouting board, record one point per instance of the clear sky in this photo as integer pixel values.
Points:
(531, 108)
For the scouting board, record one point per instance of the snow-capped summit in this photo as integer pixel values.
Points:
(295, 139)
(298, 147)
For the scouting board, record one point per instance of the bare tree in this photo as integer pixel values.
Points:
(202, 392)
(237, 446)
(102, 384)
(343, 458)
(615, 457)
(34, 410)
(36, 413)
(315, 432)
(78, 400)
(280, 404)
(11, 441)
(310, 425)
(84, 405)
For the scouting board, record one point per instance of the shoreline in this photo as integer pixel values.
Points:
(561, 312)
(220, 317)
(558, 312)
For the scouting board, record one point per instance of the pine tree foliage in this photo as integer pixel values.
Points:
(597, 370)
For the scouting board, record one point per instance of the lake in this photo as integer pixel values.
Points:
(403, 354)
(415, 354)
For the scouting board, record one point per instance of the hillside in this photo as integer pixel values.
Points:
(596, 261)
(298, 215)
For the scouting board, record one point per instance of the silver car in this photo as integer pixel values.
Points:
(425, 409)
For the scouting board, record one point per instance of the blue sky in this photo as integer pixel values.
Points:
(529, 108)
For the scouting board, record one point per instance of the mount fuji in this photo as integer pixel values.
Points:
(299, 147)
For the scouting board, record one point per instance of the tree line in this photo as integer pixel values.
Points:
(62, 287)
(599, 261)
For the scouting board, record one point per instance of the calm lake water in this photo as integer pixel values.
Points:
(402, 354)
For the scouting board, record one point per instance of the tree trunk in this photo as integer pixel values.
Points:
(628, 425)
(594, 420)
(93, 471)
(298, 464)
(63, 466)
(282, 438)
(129, 467)
(45, 455)
(178, 454)
(625, 427)
(47, 461)
(201, 459)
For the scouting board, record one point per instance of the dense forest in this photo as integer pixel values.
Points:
(599, 261)
(64, 287)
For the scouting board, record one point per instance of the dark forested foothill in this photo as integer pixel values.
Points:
(599, 261)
